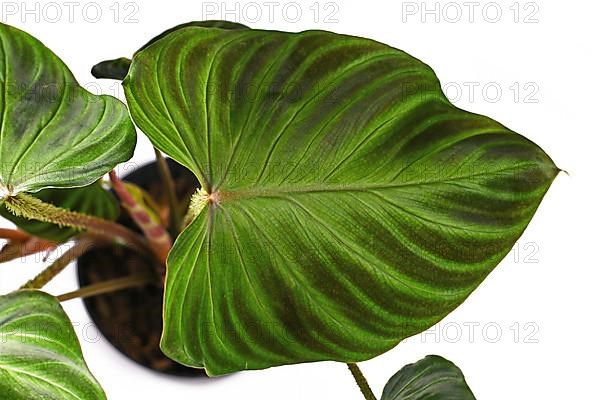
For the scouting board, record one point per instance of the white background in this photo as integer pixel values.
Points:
(549, 50)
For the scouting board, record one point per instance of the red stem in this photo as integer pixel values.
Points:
(15, 249)
(14, 234)
(159, 239)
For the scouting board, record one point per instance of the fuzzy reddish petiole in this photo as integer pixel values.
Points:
(159, 239)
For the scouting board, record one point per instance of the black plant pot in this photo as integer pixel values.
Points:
(131, 319)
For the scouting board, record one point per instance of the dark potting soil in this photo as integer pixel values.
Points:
(131, 319)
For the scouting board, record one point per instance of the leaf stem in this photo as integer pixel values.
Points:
(175, 217)
(84, 244)
(361, 381)
(112, 285)
(14, 234)
(31, 207)
(159, 238)
(15, 249)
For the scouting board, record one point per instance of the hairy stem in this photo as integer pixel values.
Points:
(159, 238)
(361, 381)
(112, 285)
(31, 207)
(84, 244)
(175, 217)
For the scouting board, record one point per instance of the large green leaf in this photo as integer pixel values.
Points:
(53, 133)
(348, 203)
(432, 378)
(91, 200)
(40, 357)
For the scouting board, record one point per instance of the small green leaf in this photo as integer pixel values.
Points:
(112, 69)
(346, 203)
(91, 200)
(432, 378)
(40, 357)
(53, 133)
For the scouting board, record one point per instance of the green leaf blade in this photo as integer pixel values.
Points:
(432, 378)
(40, 357)
(53, 133)
(119, 67)
(352, 205)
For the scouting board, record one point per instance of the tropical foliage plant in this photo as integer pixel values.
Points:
(344, 203)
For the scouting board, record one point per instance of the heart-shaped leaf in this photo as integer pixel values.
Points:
(432, 378)
(348, 204)
(53, 133)
(40, 357)
(90, 200)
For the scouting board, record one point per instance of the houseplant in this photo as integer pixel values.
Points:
(343, 203)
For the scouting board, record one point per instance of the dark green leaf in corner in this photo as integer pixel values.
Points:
(53, 133)
(91, 200)
(348, 204)
(432, 378)
(40, 357)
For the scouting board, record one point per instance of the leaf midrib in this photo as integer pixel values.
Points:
(254, 192)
